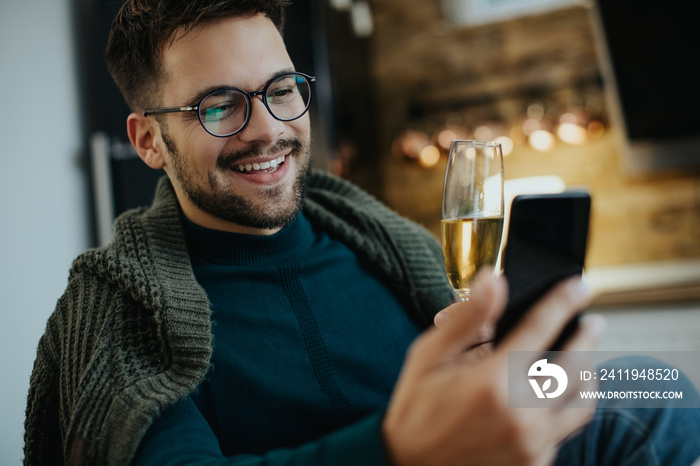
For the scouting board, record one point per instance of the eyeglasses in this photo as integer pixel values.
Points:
(225, 112)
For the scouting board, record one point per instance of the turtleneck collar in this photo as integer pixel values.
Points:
(223, 248)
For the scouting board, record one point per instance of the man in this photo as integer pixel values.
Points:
(259, 313)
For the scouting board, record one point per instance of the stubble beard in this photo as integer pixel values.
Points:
(274, 209)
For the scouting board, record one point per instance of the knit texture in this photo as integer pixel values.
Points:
(313, 340)
(132, 333)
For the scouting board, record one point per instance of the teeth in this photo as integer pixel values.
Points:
(260, 166)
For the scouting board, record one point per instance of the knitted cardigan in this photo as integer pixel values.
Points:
(131, 335)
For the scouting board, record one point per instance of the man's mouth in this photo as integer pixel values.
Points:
(262, 167)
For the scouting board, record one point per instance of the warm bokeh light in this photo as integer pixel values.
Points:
(530, 126)
(444, 138)
(506, 144)
(535, 111)
(335, 166)
(541, 140)
(538, 125)
(572, 133)
(409, 144)
(483, 133)
(429, 156)
(596, 129)
(569, 118)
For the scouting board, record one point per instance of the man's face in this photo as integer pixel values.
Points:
(243, 52)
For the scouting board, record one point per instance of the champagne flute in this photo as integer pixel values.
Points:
(472, 211)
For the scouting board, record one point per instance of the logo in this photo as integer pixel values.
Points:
(541, 369)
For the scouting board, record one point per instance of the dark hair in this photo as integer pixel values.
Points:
(142, 28)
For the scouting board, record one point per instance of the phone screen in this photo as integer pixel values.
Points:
(546, 243)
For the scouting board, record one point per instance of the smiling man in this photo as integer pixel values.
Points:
(259, 312)
(252, 180)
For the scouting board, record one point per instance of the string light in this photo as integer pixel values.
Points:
(444, 137)
(483, 133)
(530, 126)
(506, 143)
(541, 140)
(429, 156)
(409, 144)
(572, 133)
(537, 129)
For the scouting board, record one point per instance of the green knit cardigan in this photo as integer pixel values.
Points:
(132, 333)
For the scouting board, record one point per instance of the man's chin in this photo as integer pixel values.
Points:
(271, 208)
(273, 223)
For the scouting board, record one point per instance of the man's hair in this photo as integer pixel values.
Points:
(142, 29)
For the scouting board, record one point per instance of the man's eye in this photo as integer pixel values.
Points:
(218, 112)
(284, 91)
(281, 94)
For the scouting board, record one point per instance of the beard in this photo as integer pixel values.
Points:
(274, 209)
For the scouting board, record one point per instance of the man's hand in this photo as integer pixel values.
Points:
(451, 409)
(481, 342)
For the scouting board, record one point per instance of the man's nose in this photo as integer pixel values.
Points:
(262, 127)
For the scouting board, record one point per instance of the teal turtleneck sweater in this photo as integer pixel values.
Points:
(307, 348)
(132, 334)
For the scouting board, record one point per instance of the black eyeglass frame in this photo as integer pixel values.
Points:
(249, 105)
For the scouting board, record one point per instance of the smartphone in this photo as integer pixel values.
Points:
(546, 243)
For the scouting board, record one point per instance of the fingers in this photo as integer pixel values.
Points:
(442, 317)
(464, 324)
(471, 323)
(543, 323)
(483, 336)
(476, 353)
(478, 291)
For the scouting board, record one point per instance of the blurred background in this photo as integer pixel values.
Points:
(579, 94)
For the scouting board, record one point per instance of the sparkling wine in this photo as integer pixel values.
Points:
(467, 245)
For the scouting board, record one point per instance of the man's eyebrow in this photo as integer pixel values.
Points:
(283, 71)
(199, 95)
(194, 100)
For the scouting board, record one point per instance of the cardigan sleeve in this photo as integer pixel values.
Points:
(101, 373)
(42, 434)
(182, 436)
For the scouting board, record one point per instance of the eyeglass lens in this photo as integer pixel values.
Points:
(225, 112)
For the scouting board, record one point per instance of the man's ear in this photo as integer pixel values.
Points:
(144, 135)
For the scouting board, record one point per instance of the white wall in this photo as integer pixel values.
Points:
(44, 222)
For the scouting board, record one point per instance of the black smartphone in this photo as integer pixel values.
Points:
(546, 243)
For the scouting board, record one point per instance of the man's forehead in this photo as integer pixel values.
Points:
(191, 31)
(239, 51)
